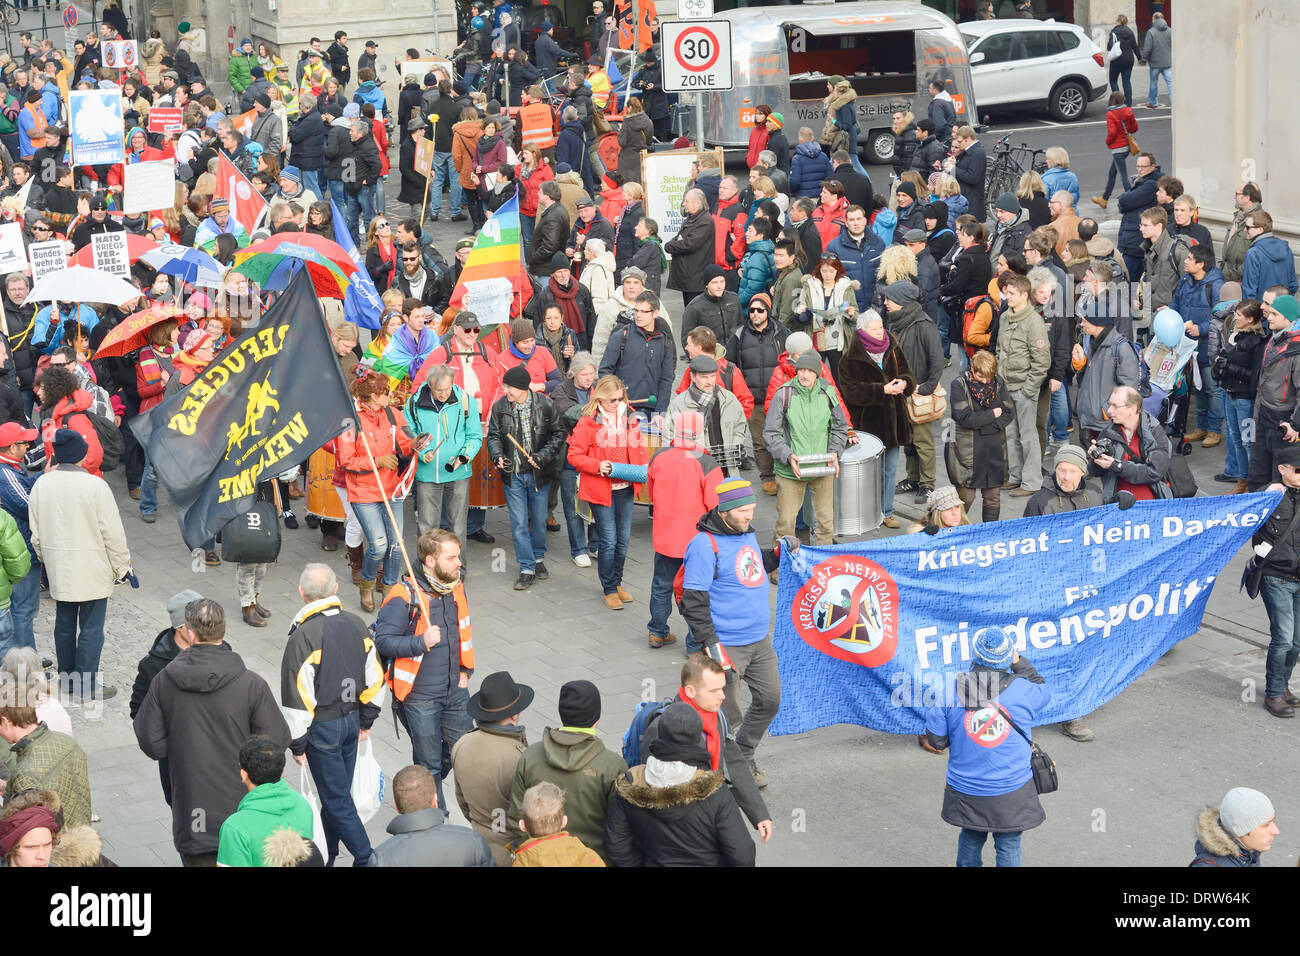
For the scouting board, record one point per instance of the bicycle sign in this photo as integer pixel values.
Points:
(697, 56)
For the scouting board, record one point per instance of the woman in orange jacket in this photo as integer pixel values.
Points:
(608, 434)
(384, 430)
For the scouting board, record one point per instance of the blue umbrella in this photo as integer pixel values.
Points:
(186, 263)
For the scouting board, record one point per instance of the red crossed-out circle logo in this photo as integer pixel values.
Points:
(848, 609)
(986, 726)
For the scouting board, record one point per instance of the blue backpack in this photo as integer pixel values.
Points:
(646, 712)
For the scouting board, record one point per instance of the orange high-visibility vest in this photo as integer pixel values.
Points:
(537, 125)
(401, 674)
(39, 123)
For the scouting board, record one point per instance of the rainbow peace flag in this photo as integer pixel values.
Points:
(492, 284)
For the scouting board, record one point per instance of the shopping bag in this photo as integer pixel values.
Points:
(309, 794)
(367, 783)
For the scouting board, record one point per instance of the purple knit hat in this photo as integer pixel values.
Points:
(735, 493)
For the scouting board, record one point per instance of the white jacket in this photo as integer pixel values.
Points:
(77, 532)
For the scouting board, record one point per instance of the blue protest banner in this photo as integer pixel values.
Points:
(362, 305)
(95, 128)
(872, 633)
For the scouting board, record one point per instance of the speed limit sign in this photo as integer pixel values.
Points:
(697, 55)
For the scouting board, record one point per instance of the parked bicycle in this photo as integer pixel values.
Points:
(1009, 163)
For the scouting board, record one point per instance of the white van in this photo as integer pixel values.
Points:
(784, 55)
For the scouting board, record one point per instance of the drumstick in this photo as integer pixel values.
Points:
(523, 451)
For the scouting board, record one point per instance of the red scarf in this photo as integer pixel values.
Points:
(567, 300)
(712, 736)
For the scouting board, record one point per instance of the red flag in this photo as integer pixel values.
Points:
(246, 203)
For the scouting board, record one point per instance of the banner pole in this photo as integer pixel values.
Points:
(424, 203)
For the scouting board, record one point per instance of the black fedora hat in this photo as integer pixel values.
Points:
(499, 697)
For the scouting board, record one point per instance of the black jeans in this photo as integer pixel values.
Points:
(1268, 445)
(1122, 70)
(133, 452)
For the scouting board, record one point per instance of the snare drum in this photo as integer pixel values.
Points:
(858, 506)
(486, 489)
(653, 441)
(322, 500)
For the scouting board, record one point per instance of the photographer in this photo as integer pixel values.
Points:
(1131, 452)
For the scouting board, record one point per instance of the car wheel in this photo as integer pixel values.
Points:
(1068, 102)
(880, 148)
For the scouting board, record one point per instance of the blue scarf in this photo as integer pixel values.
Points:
(520, 355)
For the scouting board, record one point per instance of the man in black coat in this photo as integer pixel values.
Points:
(546, 51)
(971, 167)
(98, 221)
(550, 232)
(650, 82)
(197, 713)
(692, 247)
(307, 139)
(777, 143)
(804, 230)
(359, 181)
(408, 104)
(590, 225)
(338, 57)
(857, 186)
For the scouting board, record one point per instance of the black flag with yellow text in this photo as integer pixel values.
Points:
(274, 396)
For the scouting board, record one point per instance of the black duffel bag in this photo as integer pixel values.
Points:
(253, 537)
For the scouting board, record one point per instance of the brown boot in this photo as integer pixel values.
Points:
(1278, 707)
(257, 606)
(1211, 439)
(1240, 488)
(657, 641)
(1197, 435)
(252, 618)
(1100, 201)
(367, 596)
(355, 556)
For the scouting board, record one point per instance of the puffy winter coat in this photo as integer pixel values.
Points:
(457, 431)
(808, 169)
(757, 270)
(1132, 204)
(593, 442)
(757, 354)
(1057, 178)
(644, 361)
(861, 261)
(386, 436)
(696, 823)
(1269, 261)
(308, 138)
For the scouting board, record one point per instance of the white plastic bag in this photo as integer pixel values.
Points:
(309, 794)
(367, 783)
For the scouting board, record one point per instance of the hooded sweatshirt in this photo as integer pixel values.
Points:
(267, 808)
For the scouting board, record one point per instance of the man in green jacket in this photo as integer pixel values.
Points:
(15, 562)
(573, 758)
(788, 279)
(41, 758)
(1024, 359)
(271, 805)
(240, 72)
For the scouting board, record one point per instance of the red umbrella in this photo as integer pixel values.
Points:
(283, 243)
(129, 334)
(136, 246)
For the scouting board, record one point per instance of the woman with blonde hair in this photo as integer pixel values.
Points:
(381, 253)
(943, 512)
(1033, 199)
(948, 191)
(606, 440)
(1058, 176)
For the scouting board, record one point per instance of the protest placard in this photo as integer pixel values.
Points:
(46, 257)
(108, 251)
(165, 119)
(149, 186)
(96, 127)
(12, 257)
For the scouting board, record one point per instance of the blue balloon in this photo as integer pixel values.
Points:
(1168, 326)
(477, 23)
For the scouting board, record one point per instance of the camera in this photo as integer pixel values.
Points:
(1102, 448)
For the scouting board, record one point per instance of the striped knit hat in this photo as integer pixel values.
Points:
(735, 493)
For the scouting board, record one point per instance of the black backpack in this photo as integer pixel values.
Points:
(110, 440)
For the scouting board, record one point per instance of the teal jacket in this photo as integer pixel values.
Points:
(14, 556)
(457, 430)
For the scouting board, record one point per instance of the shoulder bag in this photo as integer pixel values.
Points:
(1041, 765)
(927, 408)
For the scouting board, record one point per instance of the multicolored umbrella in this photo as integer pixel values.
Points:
(136, 247)
(130, 334)
(188, 264)
(272, 261)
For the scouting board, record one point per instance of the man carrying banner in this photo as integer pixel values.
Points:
(1132, 452)
(1277, 549)
(725, 604)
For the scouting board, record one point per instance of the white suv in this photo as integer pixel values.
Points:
(1035, 64)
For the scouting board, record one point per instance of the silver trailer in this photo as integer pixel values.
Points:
(888, 51)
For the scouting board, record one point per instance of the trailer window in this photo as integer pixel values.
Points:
(875, 63)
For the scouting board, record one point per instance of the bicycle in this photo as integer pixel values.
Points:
(9, 13)
(1009, 164)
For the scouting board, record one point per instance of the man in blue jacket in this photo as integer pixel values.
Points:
(1132, 204)
(1194, 297)
(1268, 260)
(643, 355)
(859, 250)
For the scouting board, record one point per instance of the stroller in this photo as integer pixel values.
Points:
(1173, 374)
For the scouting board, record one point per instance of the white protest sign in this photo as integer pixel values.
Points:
(13, 258)
(149, 186)
(120, 54)
(108, 252)
(46, 257)
(666, 177)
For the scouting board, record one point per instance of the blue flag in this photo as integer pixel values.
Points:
(872, 633)
(361, 303)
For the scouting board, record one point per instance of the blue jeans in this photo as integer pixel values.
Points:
(945, 334)
(613, 531)
(888, 469)
(443, 170)
(435, 726)
(148, 489)
(661, 600)
(970, 846)
(361, 203)
(1136, 266)
(332, 757)
(527, 506)
(1153, 87)
(526, 226)
(1118, 169)
(1282, 603)
(7, 639)
(1237, 411)
(24, 600)
(311, 181)
(579, 531)
(474, 523)
(382, 539)
(381, 200)
(78, 657)
(1058, 414)
(338, 195)
(1209, 403)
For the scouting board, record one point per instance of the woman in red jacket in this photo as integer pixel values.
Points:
(152, 371)
(384, 430)
(1120, 123)
(758, 135)
(381, 140)
(608, 434)
(65, 405)
(533, 171)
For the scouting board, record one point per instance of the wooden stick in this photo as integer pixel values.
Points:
(522, 450)
(425, 201)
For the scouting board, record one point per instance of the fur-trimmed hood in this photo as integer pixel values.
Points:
(633, 788)
(78, 846)
(843, 95)
(1216, 841)
(286, 847)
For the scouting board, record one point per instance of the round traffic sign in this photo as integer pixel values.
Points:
(69, 17)
(696, 49)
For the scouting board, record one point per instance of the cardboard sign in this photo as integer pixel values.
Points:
(96, 127)
(166, 119)
(148, 186)
(46, 257)
(108, 252)
(424, 157)
(13, 258)
(666, 177)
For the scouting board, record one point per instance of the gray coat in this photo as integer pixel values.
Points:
(1158, 47)
(918, 337)
(1111, 362)
(734, 425)
(1164, 267)
(1051, 500)
(424, 838)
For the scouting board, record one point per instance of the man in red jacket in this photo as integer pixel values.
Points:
(683, 481)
